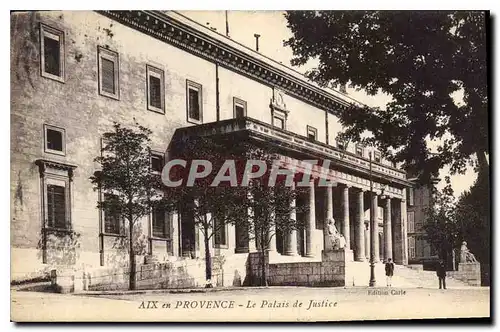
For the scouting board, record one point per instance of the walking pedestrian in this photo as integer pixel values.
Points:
(389, 272)
(441, 273)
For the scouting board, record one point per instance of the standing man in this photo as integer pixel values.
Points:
(441, 273)
(389, 271)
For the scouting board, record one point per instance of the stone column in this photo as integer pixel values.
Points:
(387, 230)
(404, 231)
(374, 231)
(291, 238)
(329, 214)
(345, 222)
(360, 228)
(311, 221)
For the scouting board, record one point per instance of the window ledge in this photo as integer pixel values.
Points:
(57, 229)
(194, 121)
(109, 95)
(53, 77)
(159, 238)
(114, 235)
(156, 110)
(56, 152)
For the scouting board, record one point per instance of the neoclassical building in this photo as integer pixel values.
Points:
(75, 73)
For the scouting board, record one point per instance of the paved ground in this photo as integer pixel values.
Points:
(277, 304)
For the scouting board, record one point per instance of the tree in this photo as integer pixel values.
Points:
(421, 59)
(473, 214)
(126, 176)
(270, 208)
(442, 228)
(210, 207)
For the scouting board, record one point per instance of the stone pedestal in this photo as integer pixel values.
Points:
(340, 255)
(63, 280)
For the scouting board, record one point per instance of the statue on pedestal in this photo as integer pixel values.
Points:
(465, 255)
(337, 240)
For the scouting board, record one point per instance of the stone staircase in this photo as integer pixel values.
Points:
(358, 274)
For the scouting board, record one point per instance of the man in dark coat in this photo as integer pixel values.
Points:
(389, 271)
(441, 273)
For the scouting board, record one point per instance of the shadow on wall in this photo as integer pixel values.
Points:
(25, 37)
(58, 247)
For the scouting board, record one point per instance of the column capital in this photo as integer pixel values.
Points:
(360, 189)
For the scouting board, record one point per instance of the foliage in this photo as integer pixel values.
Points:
(269, 207)
(211, 207)
(467, 219)
(443, 231)
(419, 58)
(126, 175)
(473, 213)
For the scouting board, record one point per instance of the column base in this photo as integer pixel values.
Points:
(291, 254)
(360, 259)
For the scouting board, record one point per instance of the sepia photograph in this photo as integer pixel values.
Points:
(250, 166)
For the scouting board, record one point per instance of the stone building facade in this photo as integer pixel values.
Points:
(75, 73)
(419, 201)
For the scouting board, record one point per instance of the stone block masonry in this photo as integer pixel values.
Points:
(314, 274)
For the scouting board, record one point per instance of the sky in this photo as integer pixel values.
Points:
(273, 30)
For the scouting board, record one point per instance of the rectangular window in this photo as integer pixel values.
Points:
(194, 102)
(411, 221)
(377, 157)
(155, 88)
(157, 161)
(56, 206)
(160, 225)
(411, 196)
(220, 238)
(411, 247)
(108, 73)
(112, 219)
(312, 133)
(279, 122)
(341, 145)
(54, 140)
(419, 247)
(52, 53)
(239, 108)
(359, 150)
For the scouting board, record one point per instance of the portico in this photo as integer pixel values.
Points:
(346, 199)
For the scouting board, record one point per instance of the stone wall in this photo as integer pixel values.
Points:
(324, 273)
(469, 273)
(182, 273)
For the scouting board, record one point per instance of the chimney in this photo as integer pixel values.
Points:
(256, 35)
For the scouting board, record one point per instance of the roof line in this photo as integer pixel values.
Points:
(326, 89)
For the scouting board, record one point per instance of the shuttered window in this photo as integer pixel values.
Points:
(155, 84)
(108, 73)
(52, 56)
(160, 228)
(112, 218)
(52, 53)
(155, 91)
(54, 140)
(56, 206)
(108, 76)
(411, 247)
(194, 102)
(220, 232)
(411, 221)
(239, 108)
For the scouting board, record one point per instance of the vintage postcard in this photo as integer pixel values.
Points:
(249, 166)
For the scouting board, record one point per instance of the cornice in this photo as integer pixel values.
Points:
(165, 28)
